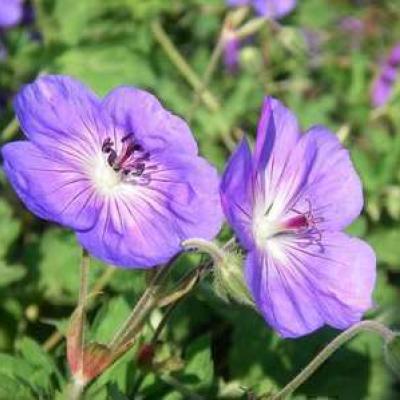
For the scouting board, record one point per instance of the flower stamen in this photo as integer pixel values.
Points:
(131, 161)
(305, 224)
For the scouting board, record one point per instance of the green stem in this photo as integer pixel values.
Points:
(205, 246)
(83, 288)
(212, 64)
(75, 391)
(335, 344)
(251, 27)
(192, 78)
(77, 387)
(142, 308)
(183, 67)
(10, 130)
(142, 374)
(83, 294)
(164, 320)
(55, 338)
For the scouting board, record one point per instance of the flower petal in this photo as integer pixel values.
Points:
(326, 180)
(144, 225)
(277, 133)
(383, 85)
(11, 13)
(236, 193)
(60, 115)
(274, 8)
(238, 3)
(302, 287)
(51, 189)
(140, 112)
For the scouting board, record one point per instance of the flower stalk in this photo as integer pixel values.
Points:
(76, 333)
(364, 326)
(142, 309)
(99, 285)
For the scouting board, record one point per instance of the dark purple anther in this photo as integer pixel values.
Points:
(125, 160)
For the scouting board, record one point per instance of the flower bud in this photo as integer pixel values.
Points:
(229, 282)
(231, 49)
(292, 40)
(251, 59)
(145, 355)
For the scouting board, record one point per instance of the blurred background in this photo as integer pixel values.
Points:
(328, 60)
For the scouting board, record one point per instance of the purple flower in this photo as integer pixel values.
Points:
(383, 85)
(274, 9)
(288, 203)
(123, 172)
(231, 50)
(10, 12)
(352, 25)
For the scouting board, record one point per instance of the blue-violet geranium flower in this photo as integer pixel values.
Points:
(123, 172)
(288, 203)
(11, 12)
(384, 83)
(274, 9)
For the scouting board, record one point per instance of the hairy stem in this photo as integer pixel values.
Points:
(83, 294)
(204, 246)
(83, 288)
(335, 344)
(55, 338)
(142, 308)
(77, 387)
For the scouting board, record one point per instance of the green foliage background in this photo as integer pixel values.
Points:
(226, 351)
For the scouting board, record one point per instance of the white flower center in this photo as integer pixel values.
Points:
(264, 229)
(268, 235)
(266, 223)
(105, 179)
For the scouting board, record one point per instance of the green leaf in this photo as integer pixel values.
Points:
(73, 18)
(36, 356)
(263, 362)
(115, 394)
(15, 366)
(106, 67)
(392, 201)
(199, 370)
(60, 266)
(43, 364)
(15, 388)
(10, 274)
(110, 317)
(385, 294)
(316, 14)
(358, 227)
(9, 227)
(360, 64)
(386, 244)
